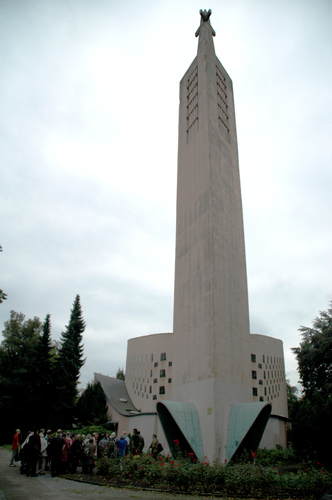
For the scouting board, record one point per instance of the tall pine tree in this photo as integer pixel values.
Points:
(44, 375)
(68, 365)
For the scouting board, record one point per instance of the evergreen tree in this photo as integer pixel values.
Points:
(120, 374)
(92, 406)
(68, 365)
(44, 375)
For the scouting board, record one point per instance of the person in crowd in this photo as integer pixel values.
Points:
(24, 454)
(112, 450)
(48, 438)
(141, 445)
(89, 456)
(75, 453)
(102, 447)
(135, 443)
(32, 452)
(55, 448)
(65, 453)
(154, 446)
(43, 455)
(127, 439)
(122, 446)
(15, 448)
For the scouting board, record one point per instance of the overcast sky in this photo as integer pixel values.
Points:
(89, 93)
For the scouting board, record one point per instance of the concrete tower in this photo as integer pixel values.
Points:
(211, 318)
(211, 387)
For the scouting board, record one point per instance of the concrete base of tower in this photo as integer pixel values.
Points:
(213, 399)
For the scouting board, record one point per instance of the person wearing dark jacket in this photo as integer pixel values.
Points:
(32, 451)
(55, 448)
(75, 454)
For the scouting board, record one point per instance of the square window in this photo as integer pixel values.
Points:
(169, 380)
(150, 373)
(170, 363)
(150, 391)
(253, 358)
(260, 382)
(154, 397)
(155, 380)
(254, 374)
(163, 356)
(156, 364)
(162, 389)
(263, 358)
(261, 398)
(260, 365)
(254, 391)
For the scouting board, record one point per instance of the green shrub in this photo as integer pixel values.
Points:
(232, 479)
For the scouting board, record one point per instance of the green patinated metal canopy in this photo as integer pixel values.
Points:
(247, 422)
(181, 426)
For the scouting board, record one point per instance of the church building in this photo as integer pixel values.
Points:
(210, 386)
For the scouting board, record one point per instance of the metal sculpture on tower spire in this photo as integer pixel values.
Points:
(205, 17)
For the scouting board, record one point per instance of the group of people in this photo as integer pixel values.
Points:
(64, 452)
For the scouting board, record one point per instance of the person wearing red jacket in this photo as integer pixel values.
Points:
(15, 445)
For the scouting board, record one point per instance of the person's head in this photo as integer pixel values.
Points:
(154, 435)
(113, 435)
(18, 431)
(122, 436)
(91, 440)
(41, 434)
(135, 431)
(83, 436)
(59, 432)
(49, 432)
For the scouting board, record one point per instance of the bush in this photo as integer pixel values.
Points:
(233, 479)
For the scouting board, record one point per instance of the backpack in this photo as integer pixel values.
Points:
(160, 447)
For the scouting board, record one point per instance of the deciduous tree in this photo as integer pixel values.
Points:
(311, 414)
(314, 355)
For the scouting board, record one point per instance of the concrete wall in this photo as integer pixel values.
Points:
(147, 372)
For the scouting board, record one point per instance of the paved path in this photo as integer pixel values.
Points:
(15, 486)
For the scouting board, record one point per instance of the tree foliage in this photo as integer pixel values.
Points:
(91, 408)
(68, 365)
(311, 414)
(120, 374)
(3, 295)
(39, 377)
(314, 355)
(18, 356)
